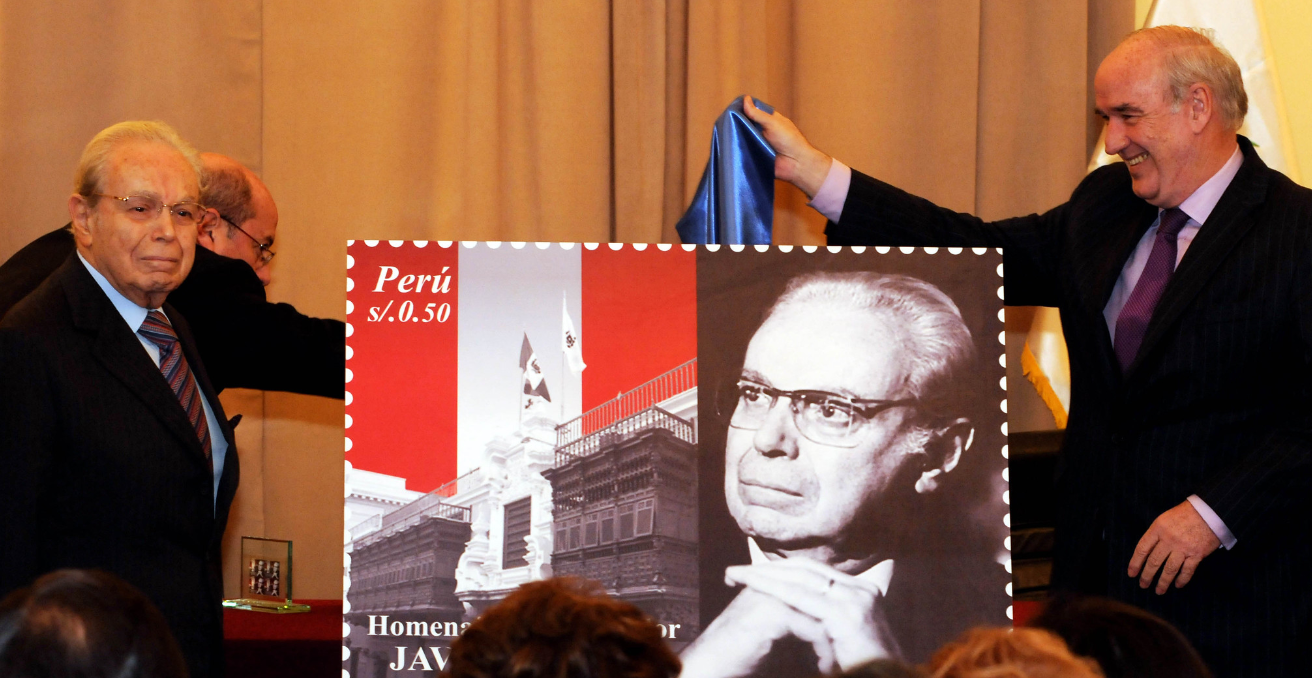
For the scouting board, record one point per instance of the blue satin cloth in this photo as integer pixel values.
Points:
(734, 204)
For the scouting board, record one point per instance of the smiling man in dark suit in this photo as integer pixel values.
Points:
(1184, 280)
(116, 451)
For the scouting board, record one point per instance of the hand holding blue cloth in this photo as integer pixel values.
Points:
(734, 203)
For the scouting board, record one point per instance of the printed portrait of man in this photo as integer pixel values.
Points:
(845, 420)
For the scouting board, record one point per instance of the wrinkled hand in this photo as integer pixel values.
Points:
(1178, 539)
(796, 160)
(848, 610)
(736, 642)
(837, 614)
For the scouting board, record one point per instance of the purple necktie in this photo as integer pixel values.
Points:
(173, 365)
(1132, 323)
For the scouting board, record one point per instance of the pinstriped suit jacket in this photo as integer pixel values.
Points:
(99, 465)
(1217, 402)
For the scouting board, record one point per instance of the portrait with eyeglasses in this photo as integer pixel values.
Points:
(851, 432)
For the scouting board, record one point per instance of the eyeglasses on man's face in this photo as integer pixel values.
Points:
(142, 208)
(265, 254)
(820, 416)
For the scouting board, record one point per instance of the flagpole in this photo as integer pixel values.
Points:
(519, 388)
(564, 392)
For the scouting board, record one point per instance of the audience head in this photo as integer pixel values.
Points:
(1126, 641)
(85, 624)
(562, 628)
(1006, 653)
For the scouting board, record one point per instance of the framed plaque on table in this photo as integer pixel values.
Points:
(266, 577)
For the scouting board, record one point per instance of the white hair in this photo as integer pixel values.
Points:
(91, 167)
(1191, 56)
(940, 345)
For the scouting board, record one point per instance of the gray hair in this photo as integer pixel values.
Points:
(228, 191)
(1191, 56)
(940, 344)
(87, 182)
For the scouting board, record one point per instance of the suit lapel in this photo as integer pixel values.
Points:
(1229, 222)
(1118, 245)
(1107, 241)
(119, 351)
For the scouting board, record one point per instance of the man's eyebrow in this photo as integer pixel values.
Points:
(1122, 109)
(758, 378)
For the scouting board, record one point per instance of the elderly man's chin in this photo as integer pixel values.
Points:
(162, 275)
(787, 523)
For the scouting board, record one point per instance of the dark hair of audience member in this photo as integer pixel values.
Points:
(562, 628)
(1126, 641)
(1006, 653)
(85, 624)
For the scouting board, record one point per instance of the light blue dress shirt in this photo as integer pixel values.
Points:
(134, 316)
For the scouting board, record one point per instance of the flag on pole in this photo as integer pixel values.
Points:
(570, 341)
(534, 384)
(1044, 362)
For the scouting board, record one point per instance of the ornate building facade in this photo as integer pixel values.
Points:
(609, 496)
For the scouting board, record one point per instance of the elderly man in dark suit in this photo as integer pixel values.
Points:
(1184, 280)
(116, 451)
(245, 341)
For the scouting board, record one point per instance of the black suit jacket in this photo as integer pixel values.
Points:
(245, 341)
(1216, 404)
(102, 468)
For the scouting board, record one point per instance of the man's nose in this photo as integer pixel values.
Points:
(1115, 141)
(778, 434)
(164, 227)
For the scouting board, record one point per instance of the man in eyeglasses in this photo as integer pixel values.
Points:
(840, 425)
(247, 216)
(116, 451)
(244, 340)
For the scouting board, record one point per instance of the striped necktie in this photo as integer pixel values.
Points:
(1132, 323)
(177, 373)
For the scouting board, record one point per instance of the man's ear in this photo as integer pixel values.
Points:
(1202, 106)
(79, 214)
(205, 229)
(943, 451)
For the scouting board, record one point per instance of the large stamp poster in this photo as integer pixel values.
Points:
(793, 459)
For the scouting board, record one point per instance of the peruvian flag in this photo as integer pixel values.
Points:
(570, 341)
(534, 385)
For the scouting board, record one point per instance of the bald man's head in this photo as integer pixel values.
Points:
(248, 217)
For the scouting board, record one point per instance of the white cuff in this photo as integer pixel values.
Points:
(1213, 521)
(832, 195)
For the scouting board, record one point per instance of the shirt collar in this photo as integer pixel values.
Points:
(132, 314)
(878, 576)
(1200, 205)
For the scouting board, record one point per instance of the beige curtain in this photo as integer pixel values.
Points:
(578, 120)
